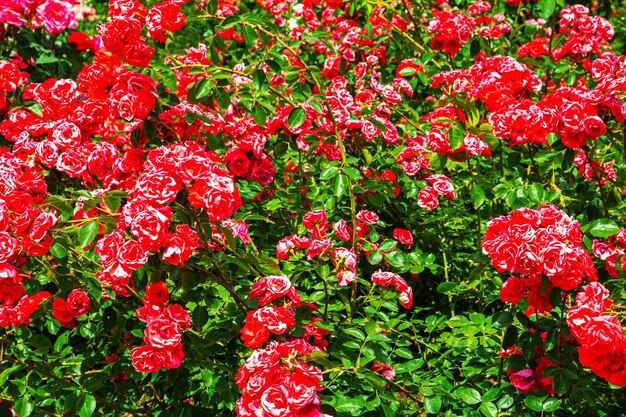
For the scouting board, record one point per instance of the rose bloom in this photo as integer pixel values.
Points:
(78, 302)
(524, 380)
(273, 287)
(513, 290)
(146, 359)
(156, 294)
(367, 217)
(62, 311)
(386, 371)
(427, 199)
(162, 333)
(403, 236)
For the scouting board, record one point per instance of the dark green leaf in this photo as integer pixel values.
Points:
(329, 173)
(547, 8)
(340, 184)
(87, 234)
(432, 404)
(86, 405)
(296, 118)
(603, 228)
(468, 395)
(23, 406)
(489, 409)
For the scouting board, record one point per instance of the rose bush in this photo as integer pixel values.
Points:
(312, 208)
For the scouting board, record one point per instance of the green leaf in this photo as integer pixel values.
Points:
(296, 118)
(86, 405)
(534, 403)
(432, 404)
(560, 383)
(260, 81)
(547, 8)
(603, 228)
(510, 337)
(456, 138)
(169, 79)
(249, 36)
(375, 257)
(446, 287)
(212, 7)
(352, 173)
(468, 395)
(204, 89)
(259, 115)
(536, 192)
(329, 173)
(388, 245)
(340, 184)
(551, 404)
(408, 71)
(200, 316)
(395, 259)
(87, 234)
(58, 251)
(478, 196)
(356, 333)
(501, 319)
(23, 406)
(489, 409)
(353, 406)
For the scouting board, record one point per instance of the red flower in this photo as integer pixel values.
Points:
(63, 312)
(78, 301)
(156, 295)
(403, 236)
(162, 333)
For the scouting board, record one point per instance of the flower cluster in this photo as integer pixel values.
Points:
(24, 232)
(585, 33)
(10, 78)
(276, 381)
(54, 15)
(66, 311)
(396, 282)
(270, 319)
(533, 244)
(612, 253)
(451, 30)
(164, 324)
(601, 337)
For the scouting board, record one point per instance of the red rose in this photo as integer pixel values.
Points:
(254, 334)
(367, 217)
(10, 292)
(146, 359)
(173, 356)
(8, 244)
(427, 199)
(150, 228)
(132, 255)
(78, 302)
(162, 333)
(238, 163)
(63, 312)
(513, 290)
(156, 294)
(316, 223)
(275, 401)
(177, 314)
(403, 236)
